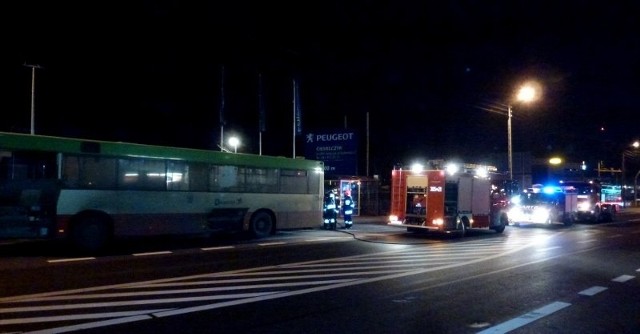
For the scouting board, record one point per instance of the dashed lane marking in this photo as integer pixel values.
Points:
(525, 319)
(592, 291)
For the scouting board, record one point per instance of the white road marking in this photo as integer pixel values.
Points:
(92, 325)
(361, 274)
(271, 244)
(592, 291)
(152, 253)
(216, 248)
(133, 302)
(623, 278)
(72, 259)
(77, 317)
(526, 318)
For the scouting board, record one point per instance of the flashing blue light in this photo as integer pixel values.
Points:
(551, 189)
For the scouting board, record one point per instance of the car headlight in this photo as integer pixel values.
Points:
(584, 206)
(515, 213)
(540, 214)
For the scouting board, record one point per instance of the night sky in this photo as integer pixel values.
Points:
(150, 72)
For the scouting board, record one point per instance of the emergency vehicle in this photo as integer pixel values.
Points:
(591, 207)
(445, 201)
(543, 205)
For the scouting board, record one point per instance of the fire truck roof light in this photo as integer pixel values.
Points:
(417, 168)
(452, 168)
(482, 172)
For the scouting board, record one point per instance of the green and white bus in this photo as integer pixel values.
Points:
(90, 191)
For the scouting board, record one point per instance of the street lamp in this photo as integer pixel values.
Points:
(526, 93)
(234, 142)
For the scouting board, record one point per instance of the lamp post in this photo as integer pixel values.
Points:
(635, 145)
(526, 94)
(33, 94)
(234, 142)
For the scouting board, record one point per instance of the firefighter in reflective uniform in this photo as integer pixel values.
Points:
(330, 210)
(347, 209)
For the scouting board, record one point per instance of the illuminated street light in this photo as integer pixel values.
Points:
(555, 161)
(527, 93)
(234, 142)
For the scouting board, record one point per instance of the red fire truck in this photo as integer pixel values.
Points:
(591, 205)
(441, 201)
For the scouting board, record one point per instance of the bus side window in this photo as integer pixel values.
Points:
(177, 176)
(261, 180)
(71, 171)
(142, 174)
(293, 181)
(198, 177)
(89, 172)
(223, 178)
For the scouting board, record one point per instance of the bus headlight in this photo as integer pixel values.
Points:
(437, 221)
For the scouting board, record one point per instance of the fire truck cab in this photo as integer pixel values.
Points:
(443, 201)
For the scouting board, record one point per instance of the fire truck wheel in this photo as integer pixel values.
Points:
(462, 226)
(503, 223)
(568, 221)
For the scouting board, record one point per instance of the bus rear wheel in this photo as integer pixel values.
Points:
(261, 225)
(91, 233)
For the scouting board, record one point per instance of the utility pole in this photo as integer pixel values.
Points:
(33, 94)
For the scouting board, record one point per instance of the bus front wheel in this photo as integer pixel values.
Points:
(261, 224)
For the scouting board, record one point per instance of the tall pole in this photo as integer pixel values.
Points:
(635, 189)
(33, 94)
(367, 162)
(222, 109)
(509, 147)
(622, 170)
(294, 118)
(261, 115)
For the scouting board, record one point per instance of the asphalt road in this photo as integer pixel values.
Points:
(372, 278)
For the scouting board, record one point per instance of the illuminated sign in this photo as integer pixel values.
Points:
(338, 149)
